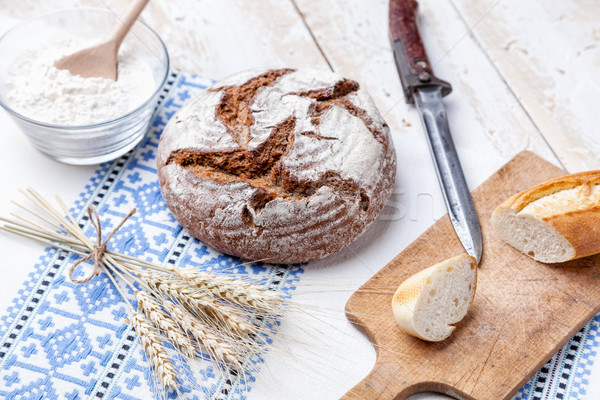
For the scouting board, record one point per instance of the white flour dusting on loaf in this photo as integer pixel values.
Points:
(313, 173)
(40, 91)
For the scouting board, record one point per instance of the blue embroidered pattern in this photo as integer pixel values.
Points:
(565, 376)
(62, 340)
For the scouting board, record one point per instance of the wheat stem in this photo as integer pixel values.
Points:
(114, 282)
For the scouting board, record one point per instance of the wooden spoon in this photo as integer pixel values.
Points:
(101, 60)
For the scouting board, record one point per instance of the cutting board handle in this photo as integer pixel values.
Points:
(381, 385)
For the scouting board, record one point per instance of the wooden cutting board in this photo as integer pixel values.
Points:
(523, 311)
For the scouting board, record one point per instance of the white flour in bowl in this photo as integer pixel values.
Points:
(40, 91)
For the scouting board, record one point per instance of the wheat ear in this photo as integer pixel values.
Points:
(234, 290)
(152, 343)
(218, 349)
(199, 303)
(161, 320)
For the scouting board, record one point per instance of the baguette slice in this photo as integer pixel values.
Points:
(555, 221)
(429, 302)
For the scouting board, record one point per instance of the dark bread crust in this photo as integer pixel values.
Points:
(245, 201)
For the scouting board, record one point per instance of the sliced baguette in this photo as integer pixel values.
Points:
(429, 302)
(555, 221)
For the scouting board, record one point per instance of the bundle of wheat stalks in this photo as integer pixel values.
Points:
(197, 313)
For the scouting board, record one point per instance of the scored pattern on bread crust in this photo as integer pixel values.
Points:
(234, 109)
(338, 95)
(259, 166)
(283, 165)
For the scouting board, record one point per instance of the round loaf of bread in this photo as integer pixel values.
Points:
(282, 166)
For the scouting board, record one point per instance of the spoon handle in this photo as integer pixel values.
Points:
(131, 16)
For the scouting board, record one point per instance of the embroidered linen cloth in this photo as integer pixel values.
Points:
(60, 340)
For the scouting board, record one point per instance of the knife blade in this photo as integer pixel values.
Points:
(423, 89)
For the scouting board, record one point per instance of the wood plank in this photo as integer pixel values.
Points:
(484, 115)
(487, 121)
(214, 38)
(270, 33)
(549, 54)
(522, 313)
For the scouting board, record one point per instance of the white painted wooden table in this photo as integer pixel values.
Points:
(525, 75)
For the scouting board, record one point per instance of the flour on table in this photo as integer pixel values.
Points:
(40, 91)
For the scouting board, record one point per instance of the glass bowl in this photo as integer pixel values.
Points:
(94, 143)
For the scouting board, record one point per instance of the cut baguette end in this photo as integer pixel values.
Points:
(531, 235)
(427, 304)
(554, 221)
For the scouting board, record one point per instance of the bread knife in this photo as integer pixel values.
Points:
(426, 92)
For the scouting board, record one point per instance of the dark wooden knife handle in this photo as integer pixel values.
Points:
(411, 59)
(403, 27)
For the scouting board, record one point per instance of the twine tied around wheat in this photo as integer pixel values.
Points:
(198, 313)
(97, 250)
